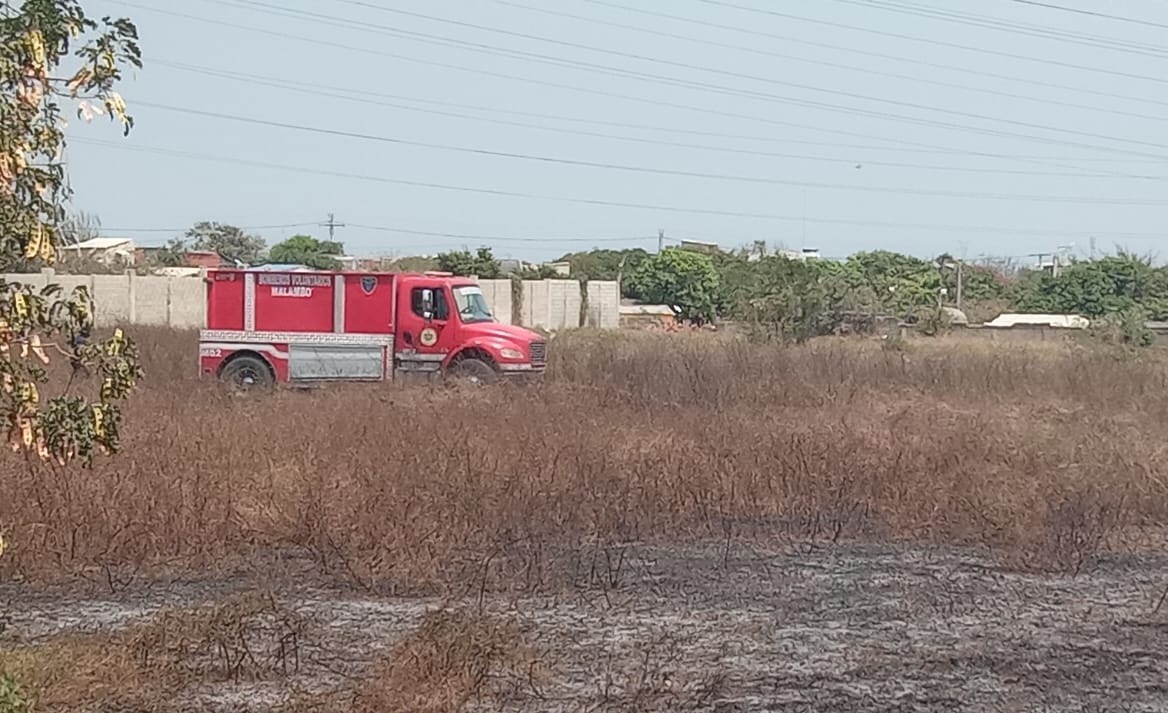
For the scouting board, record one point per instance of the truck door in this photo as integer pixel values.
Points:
(427, 328)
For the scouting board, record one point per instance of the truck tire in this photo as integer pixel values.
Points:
(246, 373)
(474, 372)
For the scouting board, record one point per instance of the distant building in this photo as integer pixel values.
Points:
(1057, 321)
(804, 254)
(112, 252)
(699, 246)
(634, 315)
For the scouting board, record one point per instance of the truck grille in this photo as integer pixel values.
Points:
(538, 353)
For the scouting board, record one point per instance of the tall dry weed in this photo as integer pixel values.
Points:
(631, 439)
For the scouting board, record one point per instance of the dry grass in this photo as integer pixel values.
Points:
(453, 659)
(147, 666)
(1046, 454)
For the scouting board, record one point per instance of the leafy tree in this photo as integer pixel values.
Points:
(481, 263)
(307, 250)
(228, 241)
(610, 265)
(539, 272)
(684, 280)
(173, 254)
(53, 54)
(896, 283)
(1107, 286)
(789, 300)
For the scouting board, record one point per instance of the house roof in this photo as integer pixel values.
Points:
(1069, 321)
(178, 271)
(100, 244)
(281, 267)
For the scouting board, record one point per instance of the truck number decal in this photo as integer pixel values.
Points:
(210, 353)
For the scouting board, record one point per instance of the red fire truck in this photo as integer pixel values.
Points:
(318, 326)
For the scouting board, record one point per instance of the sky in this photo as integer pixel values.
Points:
(1000, 128)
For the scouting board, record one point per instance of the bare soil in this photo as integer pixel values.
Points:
(730, 628)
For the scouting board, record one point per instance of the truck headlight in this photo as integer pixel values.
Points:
(511, 354)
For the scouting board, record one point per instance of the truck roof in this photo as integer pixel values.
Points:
(302, 269)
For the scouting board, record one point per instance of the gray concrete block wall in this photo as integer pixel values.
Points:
(179, 302)
(188, 303)
(603, 305)
(113, 300)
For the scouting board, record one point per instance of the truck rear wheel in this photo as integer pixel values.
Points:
(474, 372)
(245, 373)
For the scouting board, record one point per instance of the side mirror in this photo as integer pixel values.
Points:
(428, 304)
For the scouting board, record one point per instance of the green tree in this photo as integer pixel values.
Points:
(173, 254)
(52, 55)
(307, 250)
(609, 265)
(228, 241)
(539, 272)
(896, 283)
(1108, 286)
(481, 263)
(684, 280)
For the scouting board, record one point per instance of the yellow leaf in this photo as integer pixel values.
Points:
(33, 247)
(36, 44)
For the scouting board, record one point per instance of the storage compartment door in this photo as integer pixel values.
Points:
(335, 361)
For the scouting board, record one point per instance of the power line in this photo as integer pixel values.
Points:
(183, 230)
(646, 169)
(1091, 13)
(825, 106)
(824, 63)
(597, 92)
(915, 61)
(1001, 25)
(321, 90)
(935, 42)
(613, 203)
(501, 238)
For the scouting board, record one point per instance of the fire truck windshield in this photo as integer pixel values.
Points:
(472, 306)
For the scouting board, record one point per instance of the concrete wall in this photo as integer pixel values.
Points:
(178, 301)
(552, 304)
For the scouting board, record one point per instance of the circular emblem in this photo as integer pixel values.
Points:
(428, 337)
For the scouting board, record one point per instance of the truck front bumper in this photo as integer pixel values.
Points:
(522, 372)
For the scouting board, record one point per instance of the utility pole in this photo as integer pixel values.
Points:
(960, 282)
(332, 225)
(660, 239)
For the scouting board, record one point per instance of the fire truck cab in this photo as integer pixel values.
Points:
(263, 328)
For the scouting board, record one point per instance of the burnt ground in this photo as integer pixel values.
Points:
(843, 629)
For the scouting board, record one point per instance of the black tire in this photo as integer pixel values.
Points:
(473, 372)
(247, 373)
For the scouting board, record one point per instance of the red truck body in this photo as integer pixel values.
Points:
(355, 326)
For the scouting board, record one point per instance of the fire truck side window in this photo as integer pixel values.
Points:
(441, 312)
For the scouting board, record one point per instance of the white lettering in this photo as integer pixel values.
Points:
(312, 280)
(211, 353)
(291, 292)
(265, 279)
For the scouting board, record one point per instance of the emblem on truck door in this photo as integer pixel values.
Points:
(428, 337)
(368, 284)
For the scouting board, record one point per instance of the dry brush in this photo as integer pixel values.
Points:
(1048, 455)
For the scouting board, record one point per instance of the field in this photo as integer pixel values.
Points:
(668, 523)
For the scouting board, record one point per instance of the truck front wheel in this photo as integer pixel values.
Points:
(475, 372)
(247, 372)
